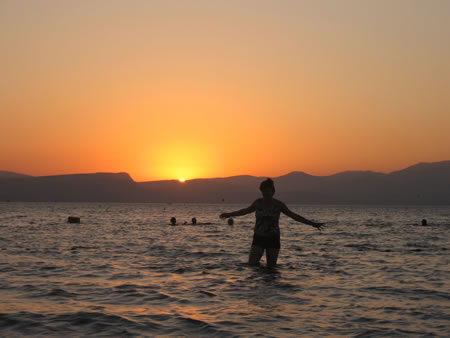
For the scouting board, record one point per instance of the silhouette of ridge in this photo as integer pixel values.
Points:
(11, 174)
(422, 183)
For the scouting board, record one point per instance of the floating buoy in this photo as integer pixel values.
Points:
(73, 219)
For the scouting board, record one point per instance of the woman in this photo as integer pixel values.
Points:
(267, 231)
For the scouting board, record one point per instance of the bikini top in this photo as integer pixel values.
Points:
(267, 221)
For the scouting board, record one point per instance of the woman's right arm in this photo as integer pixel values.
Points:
(241, 212)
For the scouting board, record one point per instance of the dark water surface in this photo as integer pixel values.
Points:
(125, 271)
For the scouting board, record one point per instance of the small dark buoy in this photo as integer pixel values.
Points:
(194, 220)
(173, 221)
(73, 219)
(230, 221)
(424, 222)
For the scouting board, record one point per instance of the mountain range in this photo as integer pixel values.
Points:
(423, 183)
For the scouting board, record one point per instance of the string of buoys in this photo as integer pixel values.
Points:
(173, 221)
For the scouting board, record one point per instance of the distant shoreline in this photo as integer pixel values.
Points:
(421, 184)
(241, 203)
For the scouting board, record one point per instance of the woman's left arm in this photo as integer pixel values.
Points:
(285, 210)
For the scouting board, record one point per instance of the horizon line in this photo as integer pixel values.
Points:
(224, 177)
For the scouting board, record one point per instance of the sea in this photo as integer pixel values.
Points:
(374, 271)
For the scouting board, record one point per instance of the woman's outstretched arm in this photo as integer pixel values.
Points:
(241, 212)
(299, 218)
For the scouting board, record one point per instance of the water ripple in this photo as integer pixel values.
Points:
(124, 272)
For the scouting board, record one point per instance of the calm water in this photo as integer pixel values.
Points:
(125, 271)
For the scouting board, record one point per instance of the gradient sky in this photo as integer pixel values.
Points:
(171, 89)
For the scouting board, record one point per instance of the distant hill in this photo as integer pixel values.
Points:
(111, 187)
(10, 174)
(423, 183)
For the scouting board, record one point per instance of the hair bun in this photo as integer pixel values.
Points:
(268, 183)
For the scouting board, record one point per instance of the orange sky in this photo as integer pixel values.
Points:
(171, 89)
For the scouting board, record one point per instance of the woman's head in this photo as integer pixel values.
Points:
(267, 188)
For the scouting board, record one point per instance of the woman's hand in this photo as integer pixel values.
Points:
(318, 226)
(224, 215)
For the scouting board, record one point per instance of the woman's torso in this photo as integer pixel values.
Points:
(267, 218)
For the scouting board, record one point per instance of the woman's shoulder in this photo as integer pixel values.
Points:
(279, 203)
(257, 202)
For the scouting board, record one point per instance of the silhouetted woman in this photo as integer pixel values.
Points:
(267, 231)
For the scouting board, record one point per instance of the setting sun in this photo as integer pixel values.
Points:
(181, 180)
(205, 89)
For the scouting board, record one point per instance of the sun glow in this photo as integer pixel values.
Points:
(179, 159)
